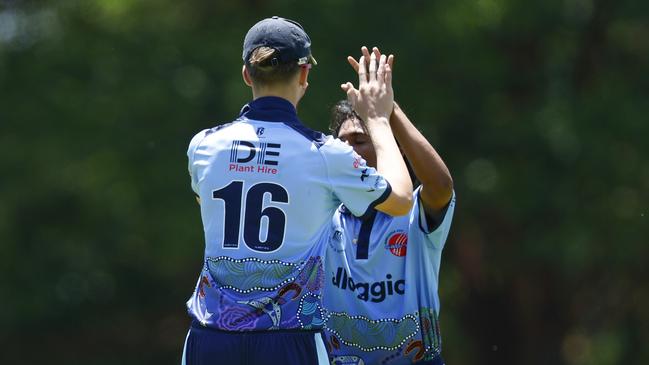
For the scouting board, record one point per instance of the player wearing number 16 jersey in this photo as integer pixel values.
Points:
(267, 186)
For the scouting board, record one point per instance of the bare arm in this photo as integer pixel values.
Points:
(391, 165)
(429, 168)
(373, 101)
(436, 181)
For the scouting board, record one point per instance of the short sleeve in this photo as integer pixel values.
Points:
(358, 186)
(439, 234)
(191, 151)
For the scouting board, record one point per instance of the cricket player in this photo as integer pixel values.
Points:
(267, 187)
(382, 271)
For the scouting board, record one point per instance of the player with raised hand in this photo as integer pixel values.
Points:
(381, 289)
(268, 186)
(374, 100)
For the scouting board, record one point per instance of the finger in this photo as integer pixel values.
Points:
(376, 51)
(353, 63)
(362, 71)
(381, 70)
(347, 87)
(377, 54)
(352, 94)
(388, 76)
(365, 53)
(391, 61)
(372, 70)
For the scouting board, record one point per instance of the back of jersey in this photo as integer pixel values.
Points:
(267, 186)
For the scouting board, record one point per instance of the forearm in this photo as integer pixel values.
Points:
(428, 166)
(391, 165)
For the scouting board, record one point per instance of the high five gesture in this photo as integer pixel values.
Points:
(374, 101)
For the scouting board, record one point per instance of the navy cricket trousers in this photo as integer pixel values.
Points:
(207, 346)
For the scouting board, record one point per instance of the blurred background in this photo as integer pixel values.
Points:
(539, 109)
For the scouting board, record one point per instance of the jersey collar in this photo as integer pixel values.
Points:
(270, 109)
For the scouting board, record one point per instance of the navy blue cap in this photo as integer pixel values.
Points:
(286, 36)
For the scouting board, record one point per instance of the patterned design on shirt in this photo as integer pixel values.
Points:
(312, 275)
(371, 335)
(250, 274)
(299, 295)
(311, 314)
(430, 332)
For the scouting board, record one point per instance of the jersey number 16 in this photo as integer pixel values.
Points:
(254, 214)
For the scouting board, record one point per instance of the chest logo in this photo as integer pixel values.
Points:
(397, 243)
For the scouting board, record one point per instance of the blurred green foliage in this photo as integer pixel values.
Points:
(539, 109)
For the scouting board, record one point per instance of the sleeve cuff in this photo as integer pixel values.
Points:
(429, 224)
(381, 199)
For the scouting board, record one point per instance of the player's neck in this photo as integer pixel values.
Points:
(284, 91)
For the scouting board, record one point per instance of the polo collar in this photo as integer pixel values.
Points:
(270, 109)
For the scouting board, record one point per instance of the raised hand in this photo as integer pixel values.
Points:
(374, 97)
(373, 101)
(366, 53)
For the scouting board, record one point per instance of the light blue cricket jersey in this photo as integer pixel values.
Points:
(381, 287)
(268, 187)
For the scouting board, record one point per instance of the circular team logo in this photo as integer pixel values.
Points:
(397, 243)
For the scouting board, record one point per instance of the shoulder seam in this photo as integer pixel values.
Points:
(209, 131)
(318, 138)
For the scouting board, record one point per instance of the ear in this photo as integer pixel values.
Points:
(246, 76)
(304, 77)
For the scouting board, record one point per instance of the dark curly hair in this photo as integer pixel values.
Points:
(341, 112)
